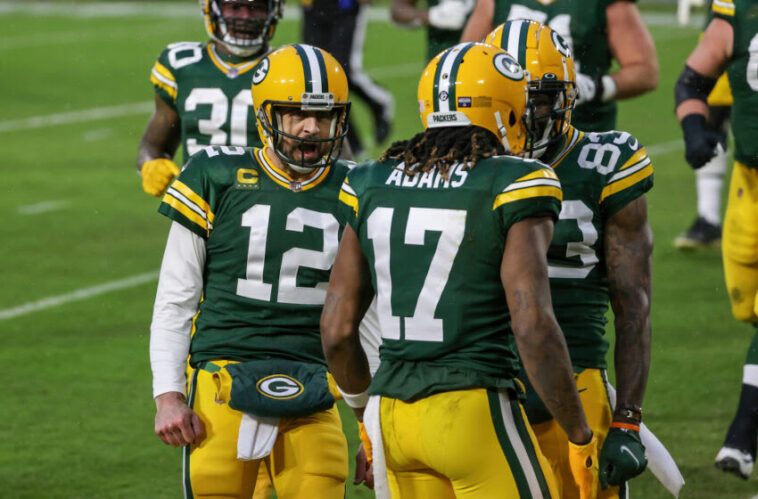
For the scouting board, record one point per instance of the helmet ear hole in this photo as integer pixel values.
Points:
(511, 118)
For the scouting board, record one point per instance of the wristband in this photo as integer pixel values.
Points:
(608, 84)
(625, 426)
(355, 400)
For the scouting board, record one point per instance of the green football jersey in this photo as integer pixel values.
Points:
(743, 75)
(600, 173)
(435, 248)
(210, 91)
(582, 23)
(270, 245)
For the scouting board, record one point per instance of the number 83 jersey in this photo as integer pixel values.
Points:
(210, 92)
(600, 173)
(269, 248)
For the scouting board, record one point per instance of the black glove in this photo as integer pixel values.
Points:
(699, 142)
(622, 457)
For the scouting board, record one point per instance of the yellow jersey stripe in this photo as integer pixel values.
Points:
(225, 67)
(636, 158)
(622, 184)
(186, 211)
(164, 72)
(190, 194)
(530, 192)
(350, 200)
(285, 180)
(541, 173)
(162, 78)
(573, 138)
(723, 7)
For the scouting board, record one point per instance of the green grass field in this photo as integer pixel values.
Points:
(77, 420)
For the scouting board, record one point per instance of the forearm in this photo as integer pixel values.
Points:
(548, 366)
(179, 290)
(162, 134)
(342, 348)
(635, 80)
(480, 22)
(629, 248)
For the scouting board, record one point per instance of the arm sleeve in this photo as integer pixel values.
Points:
(180, 287)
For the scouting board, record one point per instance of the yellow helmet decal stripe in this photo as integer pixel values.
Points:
(445, 77)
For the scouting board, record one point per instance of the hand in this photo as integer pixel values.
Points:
(364, 470)
(700, 144)
(157, 174)
(450, 14)
(587, 87)
(175, 423)
(622, 457)
(583, 464)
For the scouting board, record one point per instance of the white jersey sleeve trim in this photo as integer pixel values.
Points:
(180, 287)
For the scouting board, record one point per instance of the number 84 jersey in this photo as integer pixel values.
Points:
(600, 173)
(210, 92)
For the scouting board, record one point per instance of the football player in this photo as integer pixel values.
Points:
(598, 32)
(254, 233)
(600, 253)
(730, 43)
(709, 174)
(450, 230)
(202, 90)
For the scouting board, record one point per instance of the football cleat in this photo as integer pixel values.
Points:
(735, 461)
(702, 234)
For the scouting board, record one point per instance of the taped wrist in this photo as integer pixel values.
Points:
(693, 85)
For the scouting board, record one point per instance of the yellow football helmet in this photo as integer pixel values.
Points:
(476, 84)
(306, 78)
(549, 67)
(247, 35)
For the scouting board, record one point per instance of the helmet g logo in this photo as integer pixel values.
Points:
(560, 44)
(261, 70)
(279, 386)
(508, 67)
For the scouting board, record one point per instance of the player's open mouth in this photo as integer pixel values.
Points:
(309, 151)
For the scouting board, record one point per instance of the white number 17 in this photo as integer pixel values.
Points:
(423, 326)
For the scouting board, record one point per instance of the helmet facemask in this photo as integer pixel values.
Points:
(549, 113)
(270, 116)
(243, 36)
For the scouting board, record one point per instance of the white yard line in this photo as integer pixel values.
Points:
(81, 294)
(43, 207)
(83, 116)
(665, 147)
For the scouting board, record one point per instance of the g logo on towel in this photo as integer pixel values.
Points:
(279, 386)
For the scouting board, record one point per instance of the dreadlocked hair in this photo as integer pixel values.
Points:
(444, 147)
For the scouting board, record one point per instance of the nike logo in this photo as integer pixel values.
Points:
(626, 449)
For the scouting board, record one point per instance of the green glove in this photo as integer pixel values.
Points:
(622, 457)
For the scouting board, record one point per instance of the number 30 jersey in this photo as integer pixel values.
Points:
(270, 246)
(435, 248)
(600, 173)
(210, 92)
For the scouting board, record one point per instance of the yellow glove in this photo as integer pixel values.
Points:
(366, 442)
(157, 174)
(583, 463)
